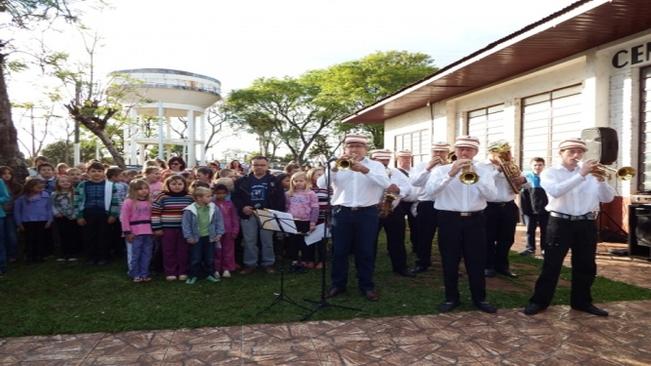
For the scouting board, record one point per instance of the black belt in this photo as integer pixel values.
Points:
(499, 204)
(355, 208)
(588, 216)
(463, 214)
(140, 222)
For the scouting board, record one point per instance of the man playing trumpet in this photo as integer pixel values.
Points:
(356, 193)
(575, 190)
(462, 225)
(426, 222)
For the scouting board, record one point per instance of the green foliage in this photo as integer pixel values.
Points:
(63, 151)
(53, 298)
(306, 110)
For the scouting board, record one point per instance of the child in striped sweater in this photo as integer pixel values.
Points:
(167, 213)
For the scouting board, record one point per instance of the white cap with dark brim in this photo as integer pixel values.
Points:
(467, 141)
(355, 139)
(575, 143)
(382, 154)
(441, 146)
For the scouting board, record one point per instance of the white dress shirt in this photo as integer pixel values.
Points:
(418, 178)
(571, 194)
(504, 191)
(452, 195)
(400, 179)
(354, 189)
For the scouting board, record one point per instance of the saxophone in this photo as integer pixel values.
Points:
(386, 205)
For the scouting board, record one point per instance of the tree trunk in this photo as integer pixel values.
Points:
(110, 146)
(10, 154)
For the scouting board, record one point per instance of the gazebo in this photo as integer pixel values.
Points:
(166, 94)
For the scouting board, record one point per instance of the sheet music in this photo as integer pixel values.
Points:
(316, 235)
(270, 219)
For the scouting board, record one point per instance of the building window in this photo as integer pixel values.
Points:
(645, 131)
(487, 124)
(417, 142)
(548, 119)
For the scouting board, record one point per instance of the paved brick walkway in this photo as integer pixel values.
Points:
(559, 336)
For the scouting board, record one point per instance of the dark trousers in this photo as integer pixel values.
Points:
(426, 223)
(96, 236)
(532, 222)
(202, 261)
(296, 243)
(394, 227)
(462, 237)
(563, 235)
(68, 236)
(501, 219)
(36, 240)
(354, 231)
(411, 222)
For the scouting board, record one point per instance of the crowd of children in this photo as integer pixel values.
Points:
(167, 218)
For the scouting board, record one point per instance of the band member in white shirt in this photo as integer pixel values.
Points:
(426, 220)
(502, 213)
(356, 193)
(409, 202)
(394, 221)
(574, 196)
(462, 224)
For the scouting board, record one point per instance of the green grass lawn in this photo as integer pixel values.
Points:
(52, 298)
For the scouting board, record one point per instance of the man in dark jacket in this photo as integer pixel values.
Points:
(533, 200)
(259, 189)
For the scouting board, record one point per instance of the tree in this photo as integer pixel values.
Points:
(294, 110)
(22, 14)
(62, 151)
(362, 82)
(94, 107)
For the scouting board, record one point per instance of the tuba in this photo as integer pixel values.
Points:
(509, 168)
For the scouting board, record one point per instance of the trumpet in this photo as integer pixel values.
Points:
(343, 163)
(623, 173)
(468, 176)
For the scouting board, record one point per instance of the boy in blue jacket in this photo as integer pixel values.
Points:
(203, 226)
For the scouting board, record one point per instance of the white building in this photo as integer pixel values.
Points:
(587, 65)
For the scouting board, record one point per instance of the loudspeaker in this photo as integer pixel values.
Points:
(639, 230)
(602, 144)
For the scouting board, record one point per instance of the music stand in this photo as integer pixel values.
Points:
(284, 223)
(323, 303)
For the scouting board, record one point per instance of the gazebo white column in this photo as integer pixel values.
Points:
(161, 132)
(191, 140)
(133, 132)
(202, 136)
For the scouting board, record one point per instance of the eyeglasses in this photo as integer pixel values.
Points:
(175, 163)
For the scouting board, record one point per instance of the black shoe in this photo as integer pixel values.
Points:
(417, 269)
(591, 309)
(405, 273)
(508, 273)
(527, 252)
(446, 307)
(532, 308)
(489, 273)
(335, 291)
(486, 307)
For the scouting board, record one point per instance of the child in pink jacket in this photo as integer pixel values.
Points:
(135, 217)
(225, 257)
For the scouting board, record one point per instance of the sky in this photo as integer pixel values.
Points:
(239, 41)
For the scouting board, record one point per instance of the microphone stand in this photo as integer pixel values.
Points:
(322, 303)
